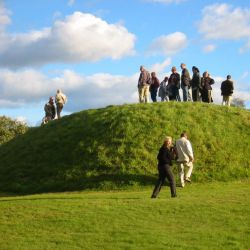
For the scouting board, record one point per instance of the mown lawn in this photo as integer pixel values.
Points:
(203, 216)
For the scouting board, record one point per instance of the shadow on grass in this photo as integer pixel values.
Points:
(104, 182)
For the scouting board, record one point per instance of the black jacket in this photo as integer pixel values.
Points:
(165, 156)
(227, 88)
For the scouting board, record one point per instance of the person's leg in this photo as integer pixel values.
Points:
(229, 100)
(171, 180)
(146, 93)
(185, 93)
(189, 95)
(153, 95)
(190, 169)
(209, 96)
(178, 96)
(141, 95)
(59, 108)
(181, 173)
(159, 183)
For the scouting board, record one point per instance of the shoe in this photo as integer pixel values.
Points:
(187, 179)
(153, 196)
(182, 185)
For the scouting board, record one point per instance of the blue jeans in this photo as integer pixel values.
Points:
(186, 94)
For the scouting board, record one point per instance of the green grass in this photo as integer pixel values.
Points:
(203, 216)
(116, 147)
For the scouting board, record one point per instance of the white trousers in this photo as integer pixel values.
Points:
(182, 166)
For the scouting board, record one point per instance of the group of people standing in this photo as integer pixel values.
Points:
(182, 152)
(194, 89)
(52, 111)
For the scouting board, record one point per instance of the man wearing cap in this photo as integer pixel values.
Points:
(227, 88)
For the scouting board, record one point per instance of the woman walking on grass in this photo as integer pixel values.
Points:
(165, 157)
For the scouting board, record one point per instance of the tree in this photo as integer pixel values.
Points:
(10, 128)
(238, 102)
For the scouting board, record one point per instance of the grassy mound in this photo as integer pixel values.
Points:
(117, 146)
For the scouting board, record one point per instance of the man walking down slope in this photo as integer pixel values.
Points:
(185, 158)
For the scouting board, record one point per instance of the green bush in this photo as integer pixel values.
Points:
(9, 129)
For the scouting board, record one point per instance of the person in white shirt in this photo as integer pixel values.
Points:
(185, 158)
(61, 99)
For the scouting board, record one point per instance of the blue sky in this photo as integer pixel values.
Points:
(92, 49)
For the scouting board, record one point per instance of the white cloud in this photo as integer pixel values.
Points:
(71, 2)
(4, 16)
(80, 37)
(168, 44)
(222, 21)
(209, 48)
(160, 67)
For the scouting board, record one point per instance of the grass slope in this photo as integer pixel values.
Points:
(203, 216)
(117, 146)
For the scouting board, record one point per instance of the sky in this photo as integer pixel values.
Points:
(92, 49)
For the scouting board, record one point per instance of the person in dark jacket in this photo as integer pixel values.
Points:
(227, 88)
(50, 111)
(155, 83)
(175, 81)
(196, 84)
(185, 83)
(206, 91)
(165, 157)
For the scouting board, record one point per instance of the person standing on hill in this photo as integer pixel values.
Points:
(163, 94)
(61, 100)
(165, 157)
(196, 84)
(155, 83)
(227, 89)
(185, 83)
(50, 111)
(143, 85)
(185, 158)
(175, 80)
(206, 92)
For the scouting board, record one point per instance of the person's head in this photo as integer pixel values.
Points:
(58, 91)
(165, 79)
(173, 69)
(167, 141)
(206, 74)
(183, 65)
(195, 69)
(153, 74)
(51, 99)
(184, 134)
(142, 68)
(228, 77)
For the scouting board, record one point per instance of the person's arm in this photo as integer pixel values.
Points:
(190, 151)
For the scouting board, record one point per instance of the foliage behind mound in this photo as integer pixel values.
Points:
(10, 128)
(118, 145)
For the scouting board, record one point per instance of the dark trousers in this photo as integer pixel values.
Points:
(196, 95)
(165, 172)
(176, 94)
(153, 93)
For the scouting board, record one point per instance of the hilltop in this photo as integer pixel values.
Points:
(117, 146)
